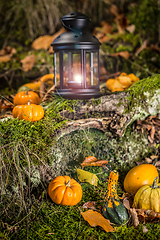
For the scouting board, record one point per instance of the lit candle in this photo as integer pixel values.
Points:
(78, 78)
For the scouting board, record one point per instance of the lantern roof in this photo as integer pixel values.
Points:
(76, 37)
(75, 41)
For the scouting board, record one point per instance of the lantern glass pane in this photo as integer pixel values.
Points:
(92, 68)
(72, 69)
(56, 68)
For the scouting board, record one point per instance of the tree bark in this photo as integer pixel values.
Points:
(107, 116)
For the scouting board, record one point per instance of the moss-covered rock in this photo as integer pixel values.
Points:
(144, 98)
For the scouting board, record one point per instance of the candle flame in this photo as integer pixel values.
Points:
(78, 78)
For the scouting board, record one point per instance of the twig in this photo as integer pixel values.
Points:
(46, 95)
(8, 71)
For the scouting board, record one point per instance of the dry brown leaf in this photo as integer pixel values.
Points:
(126, 203)
(148, 160)
(97, 163)
(104, 39)
(152, 132)
(143, 46)
(107, 28)
(150, 139)
(96, 219)
(44, 42)
(6, 104)
(122, 23)
(102, 31)
(131, 28)
(149, 215)
(153, 157)
(157, 164)
(28, 62)
(6, 53)
(7, 50)
(90, 159)
(124, 54)
(89, 205)
(134, 217)
(104, 28)
(5, 58)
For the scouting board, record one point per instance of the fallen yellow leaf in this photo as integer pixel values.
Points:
(96, 219)
(85, 176)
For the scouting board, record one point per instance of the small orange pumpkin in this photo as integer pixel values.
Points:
(48, 78)
(23, 97)
(29, 112)
(65, 191)
(33, 86)
(139, 176)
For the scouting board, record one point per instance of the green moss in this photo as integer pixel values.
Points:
(145, 16)
(122, 47)
(131, 148)
(24, 142)
(47, 220)
(107, 48)
(131, 38)
(36, 136)
(137, 233)
(146, 89)
(71, 149)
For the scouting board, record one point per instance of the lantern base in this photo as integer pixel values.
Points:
(80, 94)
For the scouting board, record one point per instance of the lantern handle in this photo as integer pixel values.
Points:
(68, 28)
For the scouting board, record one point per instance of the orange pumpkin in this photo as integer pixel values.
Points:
(29, 112)
(33, 86)
(47, 78)
(143, 174)
(65, 191)
(23, 97)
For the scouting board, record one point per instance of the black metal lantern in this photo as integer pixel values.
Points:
(76, 59)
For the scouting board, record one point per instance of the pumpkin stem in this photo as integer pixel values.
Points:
(26, 93)
(29, 102)
(155, 183)
(68, 183)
